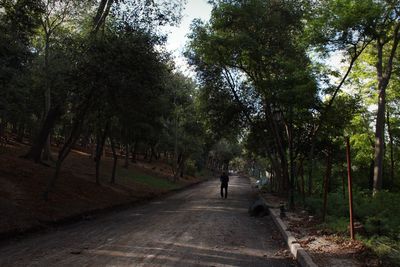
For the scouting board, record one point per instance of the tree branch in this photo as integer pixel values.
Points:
(231, 84)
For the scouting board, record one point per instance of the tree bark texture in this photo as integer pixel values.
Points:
(47, 94)
(36, 149)
(70, 141)
(273, 127)
(392, 163)
(99, 151)
(114, 169)
(327, 179)
(126, 165)
(383, 75)
(102, 12)
(292, 162)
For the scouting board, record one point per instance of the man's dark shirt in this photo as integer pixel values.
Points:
(224, 179)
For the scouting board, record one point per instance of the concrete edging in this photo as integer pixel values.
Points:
(299, 253)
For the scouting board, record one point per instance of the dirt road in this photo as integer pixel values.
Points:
(194, 227)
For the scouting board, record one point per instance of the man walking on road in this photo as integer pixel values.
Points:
(224, 184)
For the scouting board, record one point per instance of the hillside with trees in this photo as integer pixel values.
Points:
(93, 113)
(280, 86)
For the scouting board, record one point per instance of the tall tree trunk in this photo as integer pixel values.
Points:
(301, 183)
(70, 141)
(390, 133)
(36, 149)
(181, 165)
(102, 12)
(379, 140)
(133, 152)
(2, 137)
(327, 181)
(178, 165)
(275, 169)
(99, 151)
(344, 184)
(47, 94)
(62, 155)
(21, 132)
(277, 173)
(272, 125)
(291, 158)
(311, 167)
(2, 126)
(151, 153)
(114, 169)
(126, 165)
(358, 50)
(303, 191)
(371, 174)
(383, 75)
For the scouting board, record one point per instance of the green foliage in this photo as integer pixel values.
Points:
(262, 88)
(338, 205)
(205, 173)
(222, 116)
(190, 167)
(337, 224)
(361, 141)
(255, 75)
(223, 152)
(381, 215)
(386, 248)
(183, 131)
(314, 205)
(339, 24)
(18, 21)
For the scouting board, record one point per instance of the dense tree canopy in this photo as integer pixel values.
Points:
(81, 73)
(267, 80)
(280, 86)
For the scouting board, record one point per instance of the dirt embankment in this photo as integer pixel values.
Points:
(76, 195)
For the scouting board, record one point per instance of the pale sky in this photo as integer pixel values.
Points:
(177, 36)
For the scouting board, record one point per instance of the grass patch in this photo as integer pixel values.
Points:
(145, 179)
(386, 248)
(338, 225)
(205, 173)
(378, 215)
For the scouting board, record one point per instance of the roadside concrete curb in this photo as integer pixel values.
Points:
(297, 251)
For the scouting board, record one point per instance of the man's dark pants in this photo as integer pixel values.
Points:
(224, 186)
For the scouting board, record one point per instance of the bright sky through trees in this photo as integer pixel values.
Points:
(177, 36)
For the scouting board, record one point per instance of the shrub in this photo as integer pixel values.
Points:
(337, 224)
(380, 214)
(190, 167)
(386, 248)
(314, 205)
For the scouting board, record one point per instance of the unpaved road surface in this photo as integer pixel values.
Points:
(194, 227)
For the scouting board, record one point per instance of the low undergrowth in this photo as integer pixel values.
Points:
(377, 220)
(146, 179)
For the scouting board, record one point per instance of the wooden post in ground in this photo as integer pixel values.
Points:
(350, 188)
